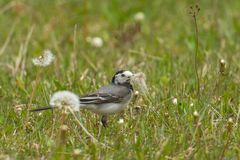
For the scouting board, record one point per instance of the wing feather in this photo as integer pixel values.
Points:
(107, 94)
(100, 98)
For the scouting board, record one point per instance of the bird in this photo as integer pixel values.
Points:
(109, 99)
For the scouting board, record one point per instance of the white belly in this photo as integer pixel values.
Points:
(106, 109)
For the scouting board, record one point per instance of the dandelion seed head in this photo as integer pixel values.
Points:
(140, 80)
(139, 16)
(44, 60)
(175, 101)
(64, 99)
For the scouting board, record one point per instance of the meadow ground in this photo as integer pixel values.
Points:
(171, 122)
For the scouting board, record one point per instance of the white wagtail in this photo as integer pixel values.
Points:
(108, 99)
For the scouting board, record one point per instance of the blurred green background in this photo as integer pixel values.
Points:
(162, 46)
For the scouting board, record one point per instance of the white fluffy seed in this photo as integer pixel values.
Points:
(64, 99)
(44, 60)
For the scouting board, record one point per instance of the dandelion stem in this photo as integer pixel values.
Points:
(84, 129)
(34, 87)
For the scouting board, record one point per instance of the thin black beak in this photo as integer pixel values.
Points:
(131, 76)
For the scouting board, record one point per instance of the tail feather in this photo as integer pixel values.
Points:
(40, 109)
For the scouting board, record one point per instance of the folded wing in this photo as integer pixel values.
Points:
(100, 98)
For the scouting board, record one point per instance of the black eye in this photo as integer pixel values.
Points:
(122, 75)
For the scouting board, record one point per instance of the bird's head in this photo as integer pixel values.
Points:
(122, 77)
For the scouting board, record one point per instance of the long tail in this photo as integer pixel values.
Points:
(40, 109)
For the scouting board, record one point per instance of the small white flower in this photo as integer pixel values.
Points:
(76, 152)
(136, 93)
(222, 61)
(121, 121)
(95, 41)
(175, 101)
(19, 108)
(230, 120)
(195, 113)
(191, 104)
(64, 127)
(139, 16)
(44, 60)
(63, 99)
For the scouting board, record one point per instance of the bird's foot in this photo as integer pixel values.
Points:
(104, 121)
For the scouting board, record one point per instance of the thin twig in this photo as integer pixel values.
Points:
(34, 87)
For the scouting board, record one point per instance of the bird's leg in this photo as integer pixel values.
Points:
(104, 120)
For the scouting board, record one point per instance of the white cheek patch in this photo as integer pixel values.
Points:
(120, 79)
(123, 79)
(128, 73)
